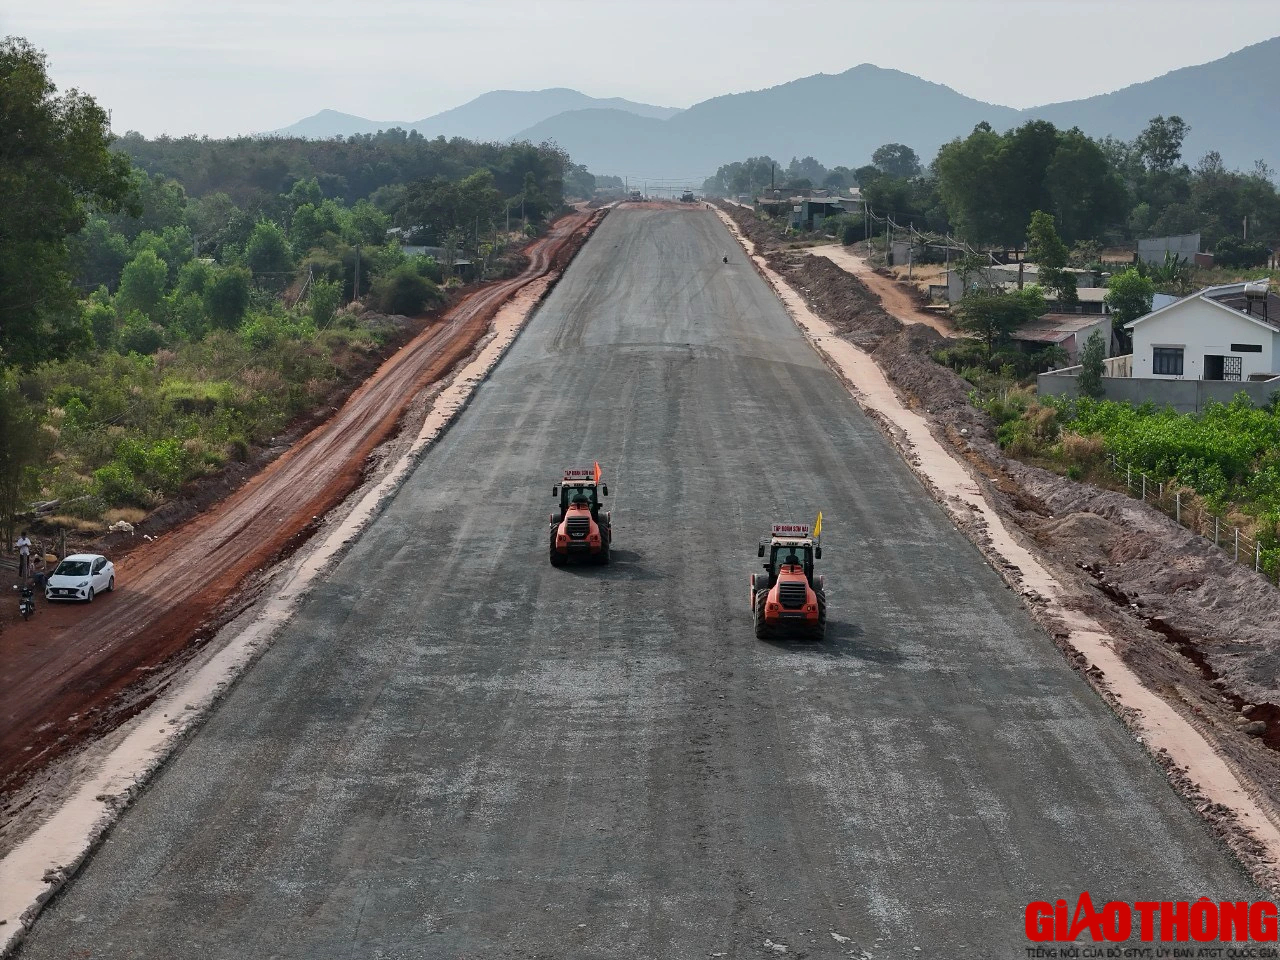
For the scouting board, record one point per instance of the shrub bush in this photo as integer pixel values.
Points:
(405, 291)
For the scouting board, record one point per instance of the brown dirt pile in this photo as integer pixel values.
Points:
(763, 233)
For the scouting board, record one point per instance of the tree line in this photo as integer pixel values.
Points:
(165, 304)
(985, 187)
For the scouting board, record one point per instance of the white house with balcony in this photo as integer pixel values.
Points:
(1231, 332)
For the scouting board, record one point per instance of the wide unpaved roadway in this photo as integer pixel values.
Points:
(457, 750)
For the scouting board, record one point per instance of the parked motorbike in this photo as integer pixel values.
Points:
(26, 600)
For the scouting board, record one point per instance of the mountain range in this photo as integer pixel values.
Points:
(842, 118)
(496, 115)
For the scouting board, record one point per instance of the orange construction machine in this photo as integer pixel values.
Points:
(789, 599)
(580, 529)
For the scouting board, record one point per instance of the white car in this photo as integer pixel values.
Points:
(80, 577)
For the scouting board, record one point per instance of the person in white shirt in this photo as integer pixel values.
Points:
(24, 555)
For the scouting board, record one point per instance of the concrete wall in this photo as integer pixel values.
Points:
(1185, 396)
(1185, 245)
(1199, 328)
(1075, 344)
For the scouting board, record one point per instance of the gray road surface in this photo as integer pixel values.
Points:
(459, 751)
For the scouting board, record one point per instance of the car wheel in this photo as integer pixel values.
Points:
(89, 598)
(111, 584)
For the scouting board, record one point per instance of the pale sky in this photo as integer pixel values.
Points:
(223, 67)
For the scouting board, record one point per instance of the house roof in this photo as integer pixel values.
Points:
(1083, 294)
(1057, 327)
(1222, 297)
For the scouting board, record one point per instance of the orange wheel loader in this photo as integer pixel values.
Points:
(580, 530)
(789, 599)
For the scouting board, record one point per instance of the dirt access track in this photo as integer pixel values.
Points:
(75, 674)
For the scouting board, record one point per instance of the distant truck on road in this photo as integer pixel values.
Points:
(635, 195)
(687, 197)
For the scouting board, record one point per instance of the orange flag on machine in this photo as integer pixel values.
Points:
(817, 526)
(597, 471)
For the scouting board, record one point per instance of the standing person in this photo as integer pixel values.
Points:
(39, 574)
(24, 555)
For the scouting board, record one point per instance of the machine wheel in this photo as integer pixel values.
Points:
(762, 627)
(111, 584)
(821, 632)
(26, 612)
(557, 558)
(89, 598)
(603, 556)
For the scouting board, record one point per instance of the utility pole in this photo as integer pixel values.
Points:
(355, 286)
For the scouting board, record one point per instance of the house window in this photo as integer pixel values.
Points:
(1246, 348)
(1166, 361)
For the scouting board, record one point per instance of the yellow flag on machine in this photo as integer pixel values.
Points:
(817, 525)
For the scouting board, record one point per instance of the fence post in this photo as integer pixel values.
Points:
(1215, 531)
(1177, 504)
(1257, 556)
(1237, 529)
(1128, 476)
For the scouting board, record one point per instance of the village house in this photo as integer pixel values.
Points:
(1231, 332)
(1208, 347)
(1068, 330)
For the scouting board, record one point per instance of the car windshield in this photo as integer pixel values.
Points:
(72, 568)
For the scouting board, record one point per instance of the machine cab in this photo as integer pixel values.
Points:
(790, 548)
(580, 488)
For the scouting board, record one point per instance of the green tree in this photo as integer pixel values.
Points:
(207, 218)
(325, 297)
(142, 285)
(969, 183)
(579, 182)
(193, 278)
(103, 324)
(1046, 249)
(1092, 367)
(305, 192)
(366, 224)
(316, 226)
(896, 160)
(991, 315)
(806, 169)
(22, 447)
(139, 335)
(268, 249)
(54, 166)
(1129, 295)
(1088, 196)
(100, 254)
(1160, 144)
(1022, 170)
(226, 298)
(405, 291)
